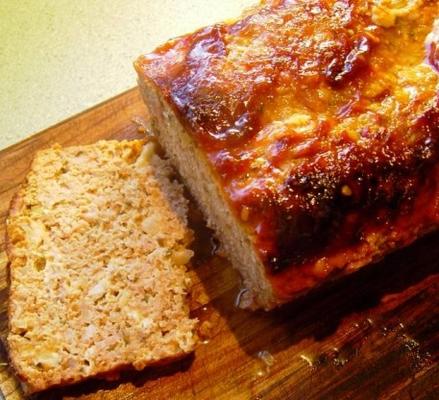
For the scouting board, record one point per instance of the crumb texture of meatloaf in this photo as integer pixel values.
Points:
(308, 131)
(97, 242)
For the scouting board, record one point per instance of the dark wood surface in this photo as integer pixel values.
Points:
(373, 335)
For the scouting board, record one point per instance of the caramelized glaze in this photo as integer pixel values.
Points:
(321, 120)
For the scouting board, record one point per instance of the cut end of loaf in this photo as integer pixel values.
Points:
(197, 173)
(97, 241)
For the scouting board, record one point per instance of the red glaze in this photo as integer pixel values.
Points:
(323, 124)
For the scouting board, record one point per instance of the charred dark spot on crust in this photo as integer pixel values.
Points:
(383, 182)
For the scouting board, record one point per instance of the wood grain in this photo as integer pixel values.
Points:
(373, 335)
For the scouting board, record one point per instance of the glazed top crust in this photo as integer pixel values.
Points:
(320, 118)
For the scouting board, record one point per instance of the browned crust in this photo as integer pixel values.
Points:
(15, 206)
(107, 376)
(250, 300)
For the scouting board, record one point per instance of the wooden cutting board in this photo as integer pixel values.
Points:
(374, 335)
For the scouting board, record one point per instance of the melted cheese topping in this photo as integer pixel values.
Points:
(385, 12)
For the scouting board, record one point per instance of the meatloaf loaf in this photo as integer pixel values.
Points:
(308, 131)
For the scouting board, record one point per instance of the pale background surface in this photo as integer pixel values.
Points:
(60, 57)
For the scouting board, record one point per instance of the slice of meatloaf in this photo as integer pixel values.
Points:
(97, 246)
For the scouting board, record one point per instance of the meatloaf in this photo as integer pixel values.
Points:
(97, 243)
(308, 131)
